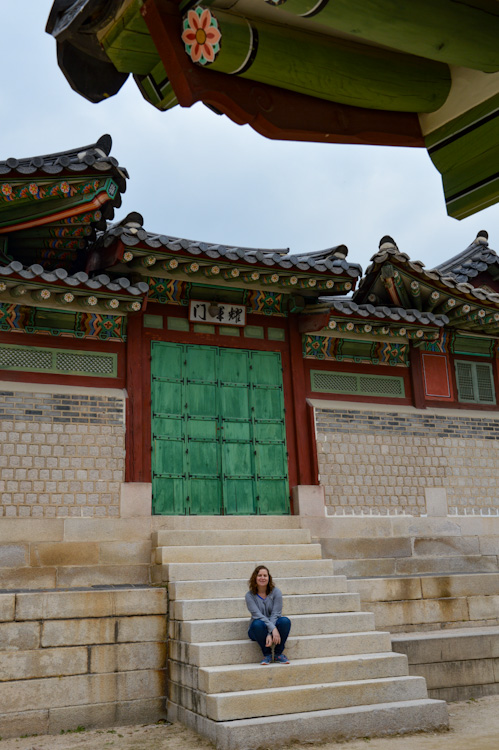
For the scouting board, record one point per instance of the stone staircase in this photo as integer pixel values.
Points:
(343, 681)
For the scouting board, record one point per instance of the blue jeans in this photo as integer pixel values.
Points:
(258, 632)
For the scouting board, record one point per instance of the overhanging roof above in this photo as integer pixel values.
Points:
(427, 74)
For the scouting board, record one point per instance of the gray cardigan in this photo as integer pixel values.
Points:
(268, 610)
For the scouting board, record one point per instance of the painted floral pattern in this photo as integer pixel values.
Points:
(201, 36)
(7, 191)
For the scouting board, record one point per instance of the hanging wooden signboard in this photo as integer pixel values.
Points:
(216, 313)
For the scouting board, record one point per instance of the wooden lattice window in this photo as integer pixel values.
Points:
(353, 384)
(475, 382)
(58, 361)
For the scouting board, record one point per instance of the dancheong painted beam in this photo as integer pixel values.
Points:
(424, 73)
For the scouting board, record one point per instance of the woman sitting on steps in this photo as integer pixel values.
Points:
(267, 627)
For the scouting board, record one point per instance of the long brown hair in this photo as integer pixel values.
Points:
(252, 581)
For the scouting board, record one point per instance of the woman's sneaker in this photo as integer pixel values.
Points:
(266, 659)
(281, 659)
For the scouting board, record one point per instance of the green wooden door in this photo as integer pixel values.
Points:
(271, 461)
(218, 431)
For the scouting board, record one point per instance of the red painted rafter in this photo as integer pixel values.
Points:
(271, 111)
(392, 291)
(40, 221)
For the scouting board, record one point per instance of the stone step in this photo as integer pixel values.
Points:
(73, 576)
(320, 584)
(331, 725)
(452, 612)
(408, 603)
(236, 677)
(285, 700)
(220, 653)
(410, 566)
(225, 522)
(28, 578)
(211, 537)
(219, 570)
(201, 631)
(294, 605)
(457, 664)
(425, 587)
(231, 553)
(423, 543)
(449, 645)
(416, 612)
(401, 588)
(56, 554)
(471, 584)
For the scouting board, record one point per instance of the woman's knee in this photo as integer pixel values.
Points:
(283, 625)
(284, 622)
(257, 630)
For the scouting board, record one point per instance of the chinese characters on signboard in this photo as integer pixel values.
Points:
(217, 313)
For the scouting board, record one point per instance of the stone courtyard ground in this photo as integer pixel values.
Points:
(474, 725)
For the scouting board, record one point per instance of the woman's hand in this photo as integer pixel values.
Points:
(273, 638)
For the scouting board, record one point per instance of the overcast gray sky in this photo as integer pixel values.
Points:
(198, 175)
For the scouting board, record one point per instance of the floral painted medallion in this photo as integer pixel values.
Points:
(201, 36)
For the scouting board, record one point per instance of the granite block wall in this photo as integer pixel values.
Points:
(61, 454)
(81, 658)
(385, 460)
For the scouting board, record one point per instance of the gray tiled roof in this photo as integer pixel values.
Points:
(349, 307)
(477, 257)
(78, 163)
(321, 262)
(86, 158)
(391, 252)
(120, 285)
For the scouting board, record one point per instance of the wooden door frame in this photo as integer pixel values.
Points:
(299, 428)
(253, 384)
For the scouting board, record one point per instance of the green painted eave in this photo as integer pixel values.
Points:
(29, 207)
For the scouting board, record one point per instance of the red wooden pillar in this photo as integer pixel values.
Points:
(136, 465)
(304, 435)
(417, 380)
